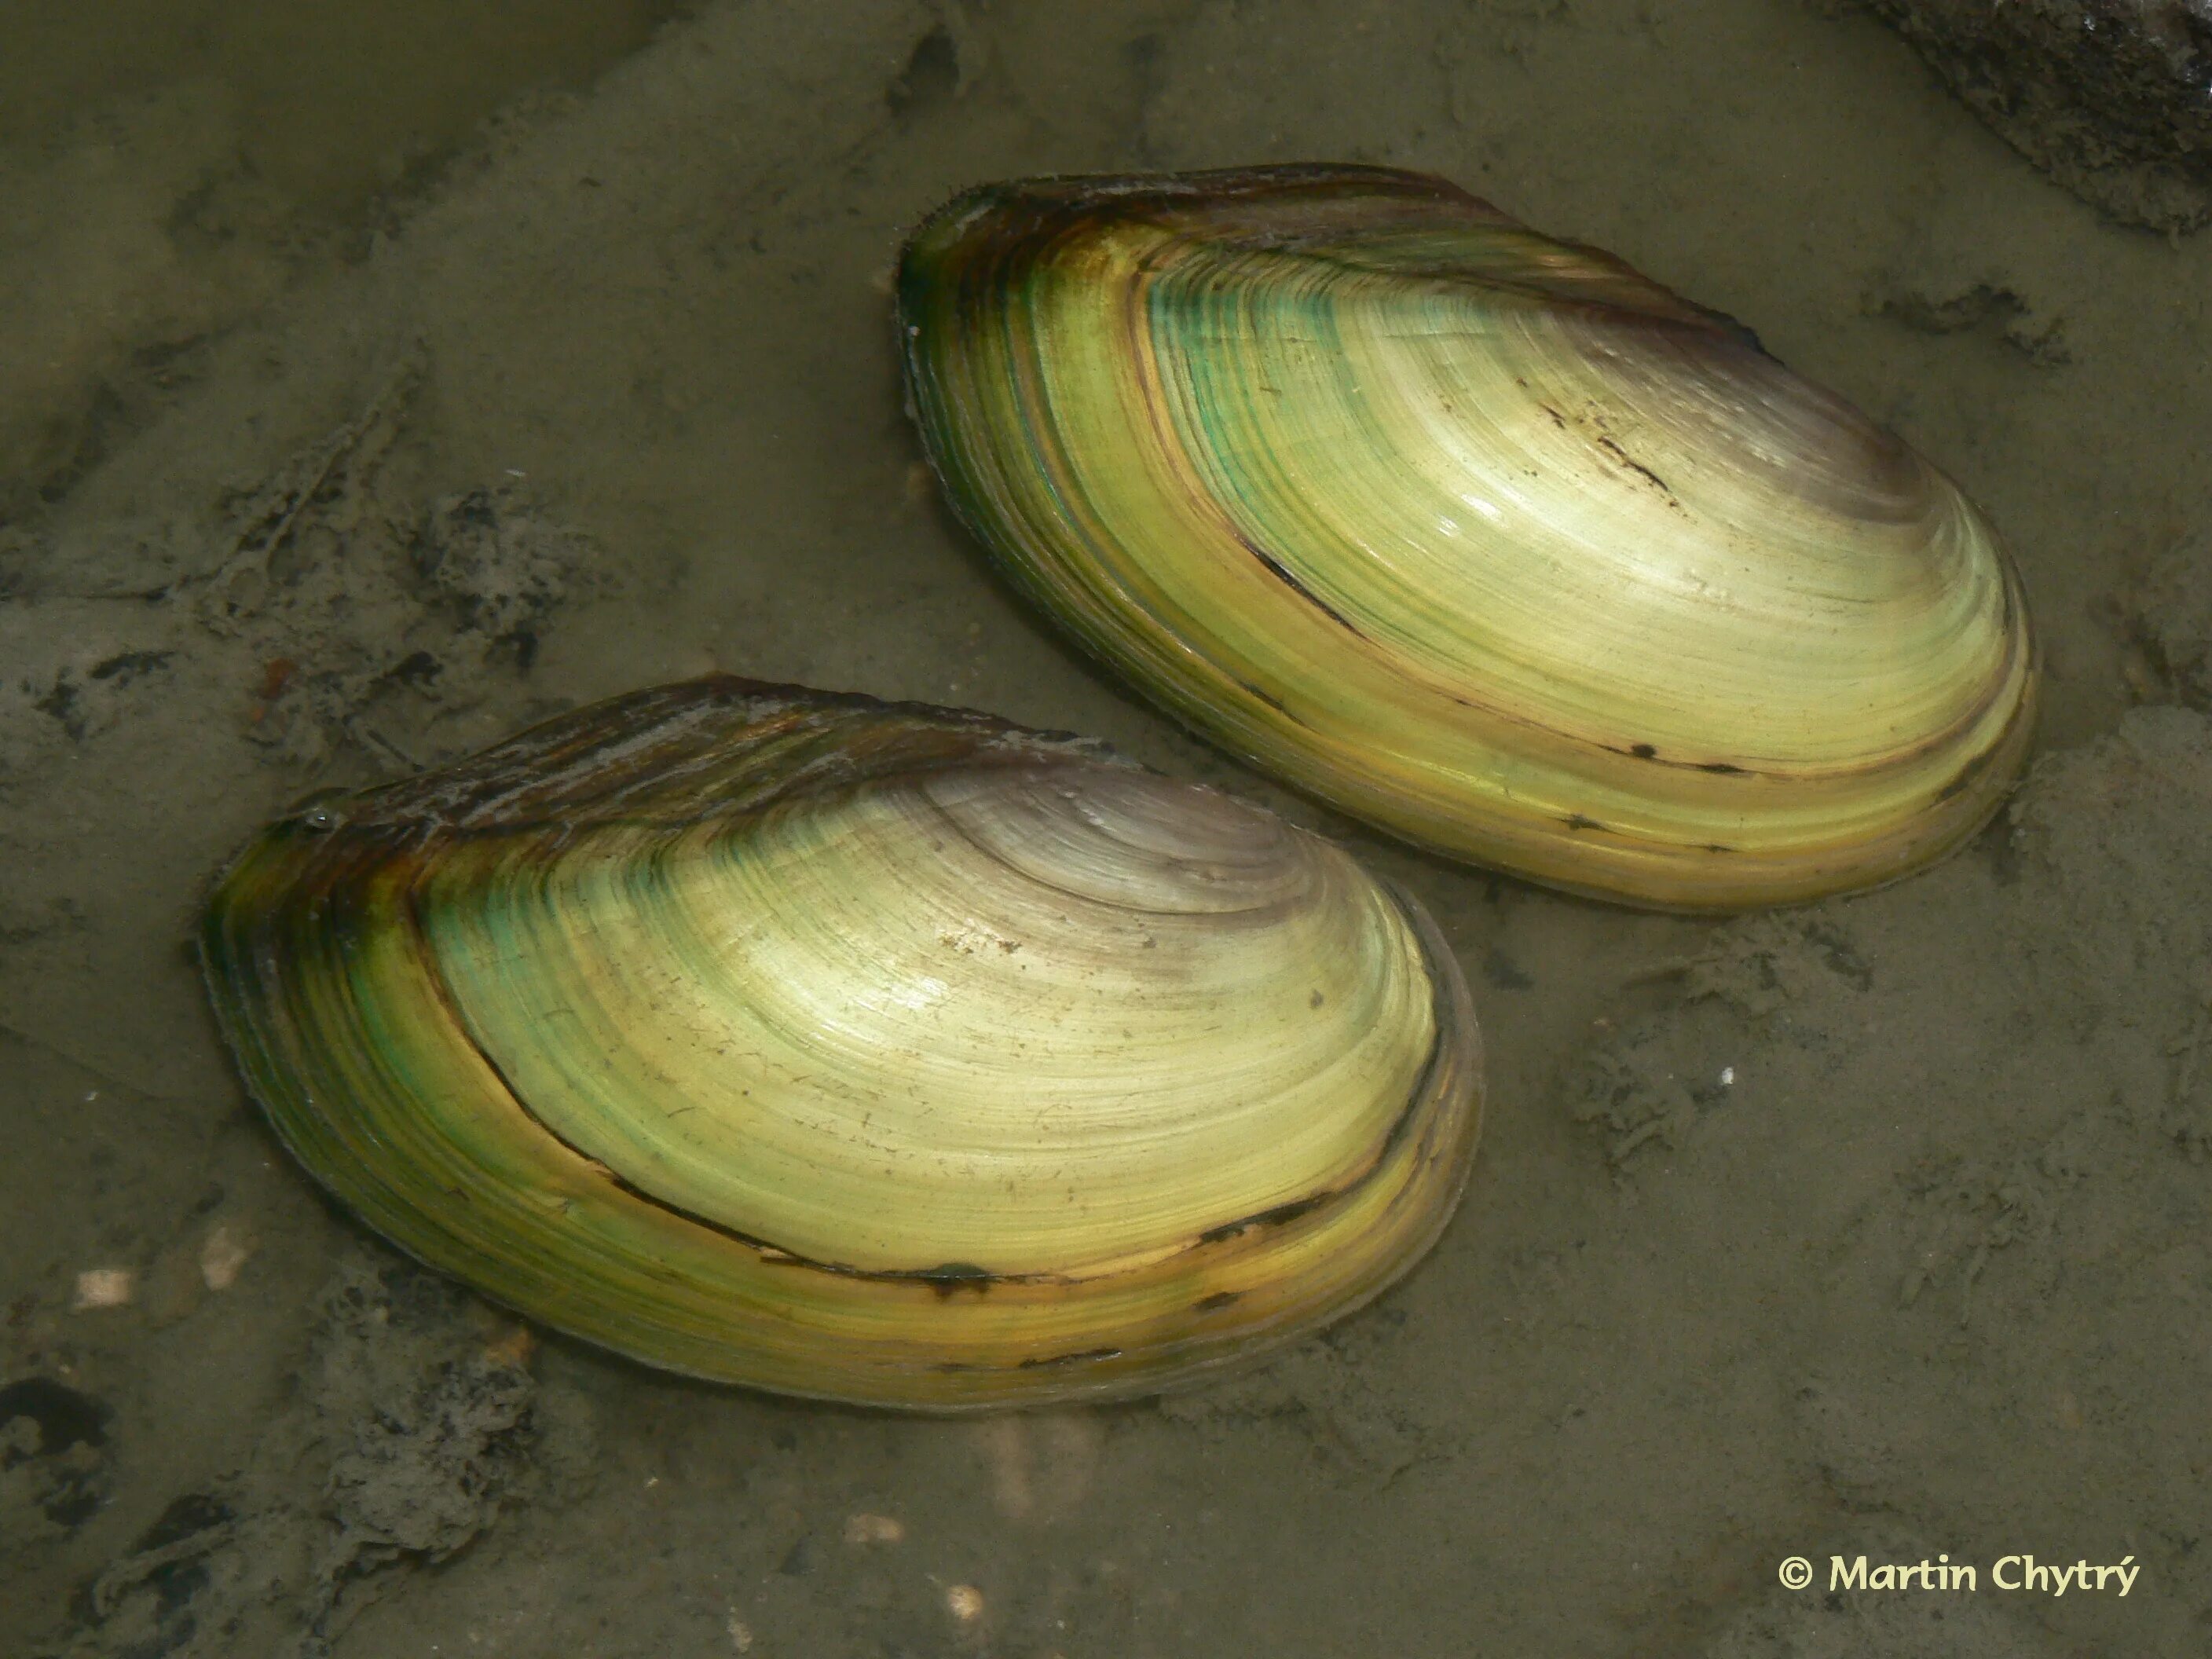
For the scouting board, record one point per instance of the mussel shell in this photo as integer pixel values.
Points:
(1480, 536)
(879, 1052)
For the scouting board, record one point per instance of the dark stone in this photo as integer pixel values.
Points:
(932, 75)
(2113, 99)
(185, 1517)
(1504, 973)
(64, 1417)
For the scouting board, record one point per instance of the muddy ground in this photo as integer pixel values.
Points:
(605, 397)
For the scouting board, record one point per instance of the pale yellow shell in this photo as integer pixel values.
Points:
(886, 1054)
(1480, 536)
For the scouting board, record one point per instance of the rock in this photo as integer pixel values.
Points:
(2112, 99)
(2165, 617)
(409, 1435)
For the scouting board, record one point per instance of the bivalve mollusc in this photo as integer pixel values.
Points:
(1480, 536)
(873, 1052)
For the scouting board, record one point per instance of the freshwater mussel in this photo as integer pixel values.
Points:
(1480, 536)
(871, 1052)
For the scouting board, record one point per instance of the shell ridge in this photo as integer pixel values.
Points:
(767, 1249)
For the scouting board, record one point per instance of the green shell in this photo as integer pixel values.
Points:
(874, 1052)
(1480, 536)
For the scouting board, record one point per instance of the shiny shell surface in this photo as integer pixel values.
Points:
(1478, 535)
(873, 1052)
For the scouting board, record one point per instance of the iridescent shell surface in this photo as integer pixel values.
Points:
(875, 1052)
(1480, 536)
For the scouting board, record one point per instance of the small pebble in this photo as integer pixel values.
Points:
(105, 1287)
(873, 1529)
(741, 1635)
(227, 1251)
(512, 1347)
(964, 1603)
